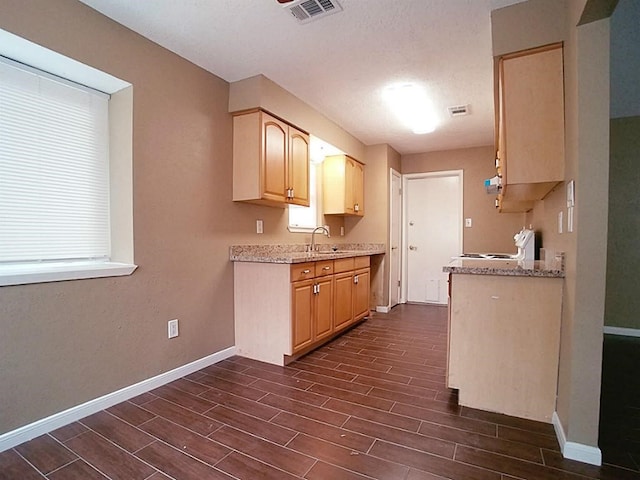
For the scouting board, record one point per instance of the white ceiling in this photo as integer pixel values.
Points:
(340, 64)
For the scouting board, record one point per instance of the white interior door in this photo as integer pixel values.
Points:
(433, 221)
(395, 210)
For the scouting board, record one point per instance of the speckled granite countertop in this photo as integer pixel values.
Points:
(551, 269)
(296, 253)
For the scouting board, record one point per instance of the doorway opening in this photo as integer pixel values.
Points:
(431, 234)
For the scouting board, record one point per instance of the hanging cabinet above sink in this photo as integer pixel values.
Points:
(270, 160)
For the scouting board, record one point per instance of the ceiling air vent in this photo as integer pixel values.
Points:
(305, 11)
(458, 110)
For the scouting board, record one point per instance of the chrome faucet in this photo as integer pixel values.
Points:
(313, 236)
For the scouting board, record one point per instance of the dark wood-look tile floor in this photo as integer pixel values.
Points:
(620, 401)
(372, 404)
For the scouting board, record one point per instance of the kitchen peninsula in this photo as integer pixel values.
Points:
(504, 335)
(288, 301)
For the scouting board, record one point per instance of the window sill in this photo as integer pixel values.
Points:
(297, 229)
(60, 271)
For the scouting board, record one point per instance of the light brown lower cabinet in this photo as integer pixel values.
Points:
(302, 295)
(284, 310)
(361, 289)
(343, 309)
(504, 343)
(312, 311)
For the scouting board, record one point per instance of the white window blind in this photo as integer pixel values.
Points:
(54, 168)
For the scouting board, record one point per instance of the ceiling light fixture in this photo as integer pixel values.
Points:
(411, 105)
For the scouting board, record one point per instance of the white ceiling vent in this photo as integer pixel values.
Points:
(459, 110)
(305, 11)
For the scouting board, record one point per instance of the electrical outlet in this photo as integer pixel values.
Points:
(259, 226)
(467, 222)
(173, 328)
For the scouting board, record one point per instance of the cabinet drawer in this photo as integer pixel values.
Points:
(324, 268)
(362, 262)
(343, 265)
(302, 271)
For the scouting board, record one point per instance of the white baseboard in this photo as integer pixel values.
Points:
(575, 451)
(40, 427)
(626, 332)
(383, 309)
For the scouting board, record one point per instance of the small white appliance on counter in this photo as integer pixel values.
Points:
(525, 241)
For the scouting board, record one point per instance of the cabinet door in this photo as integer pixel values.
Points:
(343, 300)
(358, 189)
(333, 178)
(273, 171)
(323, 308)
(350, 174)
(302, 314)
(532, 126)
(298, 167)
(361, 288)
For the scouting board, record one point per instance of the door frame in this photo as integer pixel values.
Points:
(405, 183)
(395, 174)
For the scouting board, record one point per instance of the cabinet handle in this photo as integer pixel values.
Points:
(355, 279)
(291, 195)
(356, 208)
(317, 288)
(306, 271)
(326, 268)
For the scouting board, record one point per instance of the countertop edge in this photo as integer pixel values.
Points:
(259, 255)
(506, 272)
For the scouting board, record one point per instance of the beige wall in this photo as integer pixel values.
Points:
(259, 91)
(586, 58)
(374, 226)
(622, 306)
(491, 231)
(64, 343)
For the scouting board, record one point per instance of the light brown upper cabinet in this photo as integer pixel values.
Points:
(270, 161)
(530, 125)
(343, 186)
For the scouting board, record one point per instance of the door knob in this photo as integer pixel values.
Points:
(412, 247)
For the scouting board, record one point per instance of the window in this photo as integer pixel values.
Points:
(305, 219)
(58, 206)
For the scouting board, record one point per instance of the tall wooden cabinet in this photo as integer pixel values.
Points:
(530, 125)
(270, 160)
(343, 186)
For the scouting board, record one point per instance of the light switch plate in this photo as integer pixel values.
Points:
(467, 222)
(259, 226)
